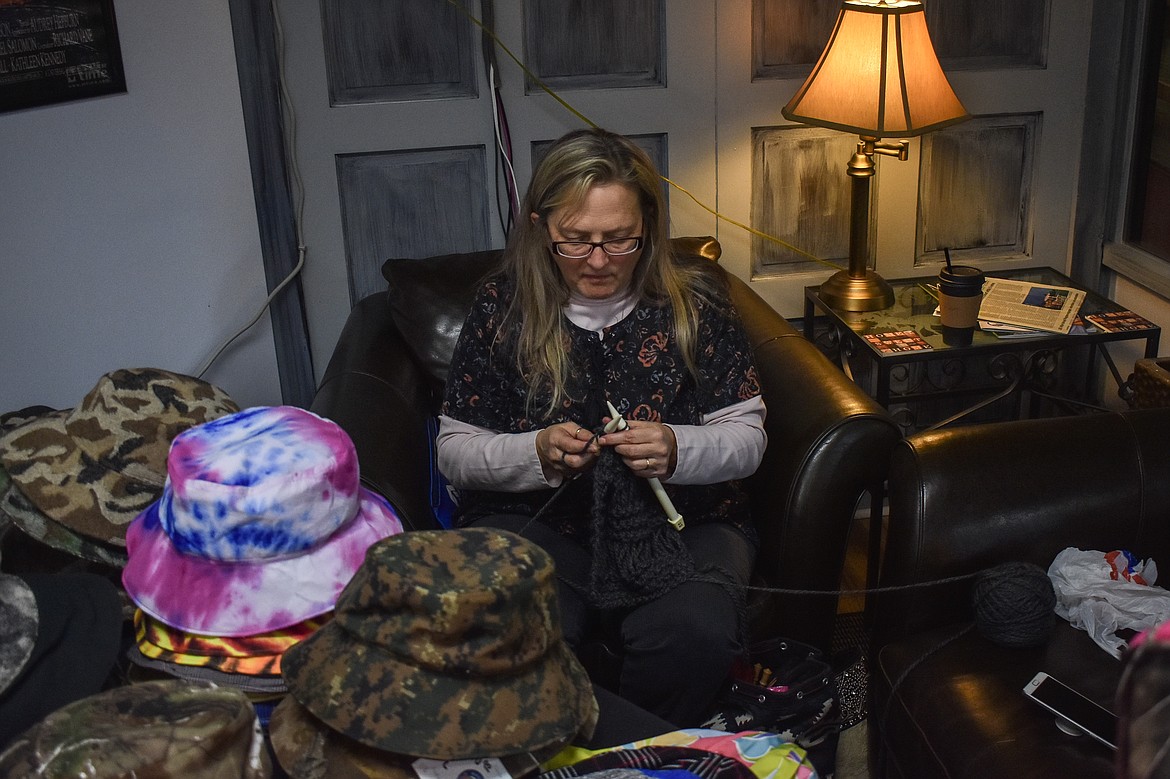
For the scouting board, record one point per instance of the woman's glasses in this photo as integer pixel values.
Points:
(614, 247)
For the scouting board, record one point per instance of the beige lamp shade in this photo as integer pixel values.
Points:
(878, 76)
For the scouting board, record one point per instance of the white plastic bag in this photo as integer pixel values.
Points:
(1102, 593)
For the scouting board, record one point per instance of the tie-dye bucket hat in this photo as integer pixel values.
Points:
(165, 729)
(447, 645)
(95, 467)
(261, 524)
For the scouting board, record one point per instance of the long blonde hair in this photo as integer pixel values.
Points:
(578, 161)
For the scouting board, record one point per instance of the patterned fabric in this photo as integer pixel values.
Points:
(165, 730)
(1143, 716)
(447, 644)
(258, 654)
(700, 762)
(766, 755)
(635, 365)
(308, 749)
(18, 509)
(261, 524)
(18, 627)
(253, 685)
(93, 468)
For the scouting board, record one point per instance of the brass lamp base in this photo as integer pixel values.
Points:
(845, 292)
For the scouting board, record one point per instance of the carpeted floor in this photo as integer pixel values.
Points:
(852, 753)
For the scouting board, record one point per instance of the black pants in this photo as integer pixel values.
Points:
(676, 650)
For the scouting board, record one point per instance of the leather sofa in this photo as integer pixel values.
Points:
(964, 500)
(829, 442)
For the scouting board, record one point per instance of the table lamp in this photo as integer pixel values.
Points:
(878, 77)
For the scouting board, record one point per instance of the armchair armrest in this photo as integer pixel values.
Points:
(969, 498)
(828, 444)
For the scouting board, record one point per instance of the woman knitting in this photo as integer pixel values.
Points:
(591, 306)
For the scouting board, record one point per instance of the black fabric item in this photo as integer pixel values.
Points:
(786, 687)
(637, 554)
(79, 634)
(669, 656)
(622, 722)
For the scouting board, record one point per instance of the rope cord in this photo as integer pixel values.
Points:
(568, 107)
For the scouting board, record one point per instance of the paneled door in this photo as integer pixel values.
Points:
(394, 130)
(395, 122)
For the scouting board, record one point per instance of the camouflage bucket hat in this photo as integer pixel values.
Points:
(93, 468)
(307, 749)
(20, 511)
(446, 644)
(159, 729)
(18, 627)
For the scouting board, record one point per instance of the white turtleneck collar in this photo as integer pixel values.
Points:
(596, 315)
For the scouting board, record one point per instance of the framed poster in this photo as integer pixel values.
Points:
(51, 52)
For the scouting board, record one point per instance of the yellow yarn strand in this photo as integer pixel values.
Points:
(536, 80)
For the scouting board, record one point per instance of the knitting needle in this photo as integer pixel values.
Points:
(618, 422)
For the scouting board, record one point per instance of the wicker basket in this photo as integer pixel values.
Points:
(1151, 383)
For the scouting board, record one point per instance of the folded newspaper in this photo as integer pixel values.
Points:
(1044, 307)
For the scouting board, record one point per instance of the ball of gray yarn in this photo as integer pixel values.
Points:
(1015, 605)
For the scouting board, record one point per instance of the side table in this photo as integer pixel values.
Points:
(988, 370)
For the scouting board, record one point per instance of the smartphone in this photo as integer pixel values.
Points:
(1075, 714)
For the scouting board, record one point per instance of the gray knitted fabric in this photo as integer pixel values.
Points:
(637, 554)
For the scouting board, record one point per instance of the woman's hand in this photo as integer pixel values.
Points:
(648, 449)
(566, 448)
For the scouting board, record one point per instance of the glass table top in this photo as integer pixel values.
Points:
(915, 305)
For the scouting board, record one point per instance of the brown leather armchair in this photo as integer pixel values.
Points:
(828, 442)
(967, 499)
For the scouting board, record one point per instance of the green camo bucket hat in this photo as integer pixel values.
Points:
(164, 729)
(20, 511)
(446, 644)
(95, 467)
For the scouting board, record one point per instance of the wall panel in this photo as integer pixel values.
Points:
(409, 204)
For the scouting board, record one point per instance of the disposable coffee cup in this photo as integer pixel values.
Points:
(960, 293)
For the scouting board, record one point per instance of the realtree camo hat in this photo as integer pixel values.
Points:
(77, 641)
(161, 729)
(18, 627)
(261, 524)
(306, 748)
(446, 644)
(95, 467)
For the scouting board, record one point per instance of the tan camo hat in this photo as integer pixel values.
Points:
(167, 729)
(95, 467)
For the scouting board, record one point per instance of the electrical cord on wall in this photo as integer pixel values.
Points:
(504, 146)
(489, 33)
(298, 187)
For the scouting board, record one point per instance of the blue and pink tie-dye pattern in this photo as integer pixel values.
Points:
(263, 483)
(261, 525)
